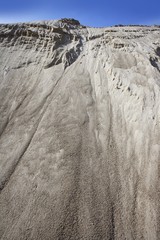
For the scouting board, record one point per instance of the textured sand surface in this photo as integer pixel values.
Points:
(79, 132)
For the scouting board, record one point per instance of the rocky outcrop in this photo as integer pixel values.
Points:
(79, 131)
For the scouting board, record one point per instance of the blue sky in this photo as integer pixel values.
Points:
(89, 12)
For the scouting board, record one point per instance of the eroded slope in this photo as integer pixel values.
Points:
(79, 125)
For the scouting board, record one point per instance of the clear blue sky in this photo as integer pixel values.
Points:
(88, 12)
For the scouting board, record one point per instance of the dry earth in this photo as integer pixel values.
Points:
(79, 132)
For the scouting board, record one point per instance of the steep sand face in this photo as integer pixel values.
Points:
(79, 132)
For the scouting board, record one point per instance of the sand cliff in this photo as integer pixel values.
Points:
(79, 132)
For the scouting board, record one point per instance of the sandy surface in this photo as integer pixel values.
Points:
(79, 132)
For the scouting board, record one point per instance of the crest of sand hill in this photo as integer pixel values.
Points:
(79, 131)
